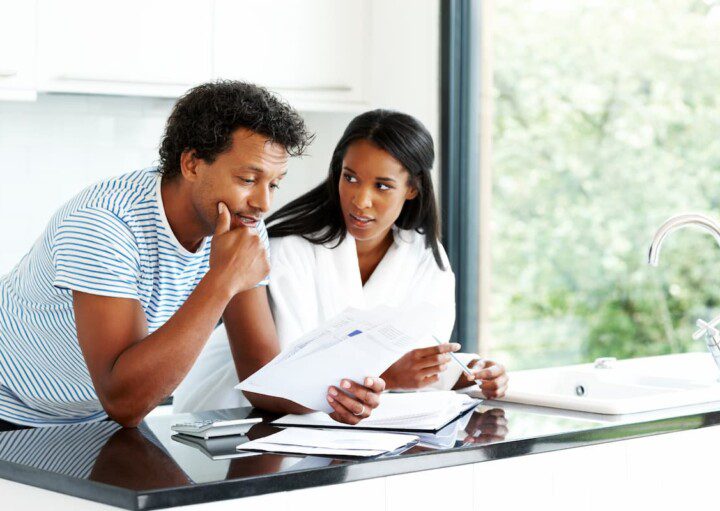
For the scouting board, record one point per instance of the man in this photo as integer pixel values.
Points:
(110, 308)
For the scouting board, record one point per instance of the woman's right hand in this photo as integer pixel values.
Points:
(419, 368)
(355, 402)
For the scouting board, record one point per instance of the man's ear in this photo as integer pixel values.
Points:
(189, 164)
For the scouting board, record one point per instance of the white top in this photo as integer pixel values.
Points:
(112, 239)
(309, 284)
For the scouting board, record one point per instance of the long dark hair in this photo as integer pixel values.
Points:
(317, 215)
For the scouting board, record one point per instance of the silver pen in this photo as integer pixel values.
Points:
(465, 369)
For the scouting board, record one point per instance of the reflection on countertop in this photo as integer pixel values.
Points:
(147, 468)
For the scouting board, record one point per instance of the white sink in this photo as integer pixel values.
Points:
(631, 386)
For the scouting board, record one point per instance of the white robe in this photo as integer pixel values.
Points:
(309, 284)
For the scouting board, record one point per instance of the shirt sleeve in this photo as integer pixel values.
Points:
(292, 290)
(262, 232)
(95, 252)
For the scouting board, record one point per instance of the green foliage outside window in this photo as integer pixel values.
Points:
(606, 123)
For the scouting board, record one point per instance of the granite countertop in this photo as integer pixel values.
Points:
(145, 468)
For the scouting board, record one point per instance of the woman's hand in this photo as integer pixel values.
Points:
(353, 402)
(486, 427)
(419, 368)
(492, 378)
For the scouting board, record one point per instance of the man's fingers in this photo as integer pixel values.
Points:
(222, 224)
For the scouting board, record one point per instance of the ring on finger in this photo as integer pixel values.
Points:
(362, 411)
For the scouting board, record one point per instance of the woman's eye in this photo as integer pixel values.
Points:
(349, 178)
(275, 186)
(383, 187)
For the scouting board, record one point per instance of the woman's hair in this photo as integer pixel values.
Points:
(317, 215)
(206, 117)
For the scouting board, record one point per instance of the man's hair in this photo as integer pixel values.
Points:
(205, 118)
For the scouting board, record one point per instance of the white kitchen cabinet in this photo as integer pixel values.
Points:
(134, 47)
(17, 50)
(312, 52)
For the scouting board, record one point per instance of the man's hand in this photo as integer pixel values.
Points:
(237, 255)
(492, 378)
(353, 402)
(419, 368)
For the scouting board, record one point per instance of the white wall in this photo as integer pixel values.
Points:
(52, 148)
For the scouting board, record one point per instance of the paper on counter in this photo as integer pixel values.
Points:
(330, 442)
(403, 411)
(354, 345)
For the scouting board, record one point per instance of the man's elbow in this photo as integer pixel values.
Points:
(126, 414)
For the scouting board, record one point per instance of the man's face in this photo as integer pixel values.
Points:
(244, 177)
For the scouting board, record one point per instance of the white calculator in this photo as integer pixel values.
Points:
(217, 423)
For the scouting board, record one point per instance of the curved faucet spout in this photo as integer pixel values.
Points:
(677, 222)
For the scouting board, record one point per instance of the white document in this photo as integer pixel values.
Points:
(330, 442)
(353, 345)
(415, 411)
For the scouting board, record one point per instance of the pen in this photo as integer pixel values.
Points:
(464, 368)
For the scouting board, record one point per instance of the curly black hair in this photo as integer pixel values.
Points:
(205, 118)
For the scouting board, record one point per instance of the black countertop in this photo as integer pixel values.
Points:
(145, 468)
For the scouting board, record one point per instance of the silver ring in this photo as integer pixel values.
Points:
(361, 411)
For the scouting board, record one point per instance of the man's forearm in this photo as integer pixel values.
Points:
(151, 369)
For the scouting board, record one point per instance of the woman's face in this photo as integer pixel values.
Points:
(373, 188)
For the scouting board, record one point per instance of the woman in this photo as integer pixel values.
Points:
(367, 236)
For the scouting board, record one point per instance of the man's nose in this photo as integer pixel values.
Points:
(260, 200)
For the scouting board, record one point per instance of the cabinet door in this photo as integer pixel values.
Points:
(17, 49)
(307, 50)
(143, 47)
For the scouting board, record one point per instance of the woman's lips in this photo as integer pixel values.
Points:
(360, 222)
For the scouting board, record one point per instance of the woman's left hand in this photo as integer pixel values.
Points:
(353, 402)
(492, 378)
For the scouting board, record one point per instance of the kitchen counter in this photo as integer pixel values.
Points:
(146, 468)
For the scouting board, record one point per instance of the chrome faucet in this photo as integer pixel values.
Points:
(707, 329)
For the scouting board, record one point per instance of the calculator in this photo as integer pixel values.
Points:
(213, 425)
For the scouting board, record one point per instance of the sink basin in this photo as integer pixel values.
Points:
(631, 386)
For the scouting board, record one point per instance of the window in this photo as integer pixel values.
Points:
(606, 121)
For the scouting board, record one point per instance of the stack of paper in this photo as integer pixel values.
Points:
(408, 411)
(330, 442)
(354, 345)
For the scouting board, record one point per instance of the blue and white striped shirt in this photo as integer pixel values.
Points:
(113, 239)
